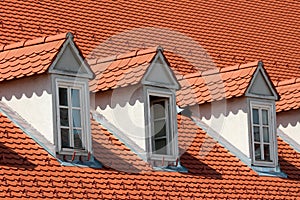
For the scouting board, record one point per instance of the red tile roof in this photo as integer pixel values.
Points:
(113, 154)
(27, 170)
(216, 84)
(122, 70)
(229, 32)
(289, 92)
(29, 57)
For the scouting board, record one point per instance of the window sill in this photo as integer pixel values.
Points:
(78, 152)
(269, 171)
(159, 157)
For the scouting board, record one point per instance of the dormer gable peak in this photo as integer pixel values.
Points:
(261, 85)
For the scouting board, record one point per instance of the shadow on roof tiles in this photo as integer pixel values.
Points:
(10, 158)
(111, 160)
(291, 170)
(198, 168)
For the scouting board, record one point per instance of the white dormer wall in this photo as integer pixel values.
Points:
(34, 97)
(124, 108)
(231, 118)
(289, 123)
(31, 98)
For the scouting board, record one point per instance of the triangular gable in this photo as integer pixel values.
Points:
(70, 62)
(160, 74)
(261, 85)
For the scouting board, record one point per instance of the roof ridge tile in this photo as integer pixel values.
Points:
(127, 55)
(36, 41)
(222, 70)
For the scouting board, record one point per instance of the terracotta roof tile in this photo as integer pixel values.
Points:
(122, 70)
(28, 171)
(289, 92)
(29, 57)
(214, 85)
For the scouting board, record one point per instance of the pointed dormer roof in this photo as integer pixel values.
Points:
(224, 83)
(133, 68)
(45, 54)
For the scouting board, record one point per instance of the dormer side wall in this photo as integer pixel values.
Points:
(289, 123)
(31, 98)
(229, 119)
(124, 108)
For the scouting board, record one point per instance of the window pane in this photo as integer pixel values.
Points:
(257, 151)
(77, 139)
(159, 110)
(76, 118)
(255, 116)
(75, 97)
(63, 96)
(265, 117)
(64, 117)
(256, 134)
(267, 152)
(159, 128)
(266, 134)
(65, 140)
(160, 146)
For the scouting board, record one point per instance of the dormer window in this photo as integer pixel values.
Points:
(72, 116)
(262, 125)
(162, 123)
(262, 118)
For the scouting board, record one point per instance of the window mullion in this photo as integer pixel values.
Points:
(70, 117)
(261, 135)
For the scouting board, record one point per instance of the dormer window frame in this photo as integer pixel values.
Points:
(171, 120)
(81, 84)
(263, 105)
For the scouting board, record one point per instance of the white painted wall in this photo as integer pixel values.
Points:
(31, 98)
(229, 119)
(289, 123)
(124, 109)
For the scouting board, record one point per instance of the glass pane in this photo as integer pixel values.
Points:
(266, 134)
(75, 97)
(159, 128)
(63, 96)
(65, 140)
(76, 118)
(160, 146)
(64, 117)
(255, 116)
(159, 110)
(77, 139)
(267, 152)
(257, 151)
(265, 117)
(256, 134)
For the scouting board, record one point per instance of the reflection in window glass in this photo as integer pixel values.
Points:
(76, 118)
(265, 117)
(160, 146)
(75, 98)
(257, 151)
(65, 142)
(63, 97)
(64, 116)
(255, 116)
(77, 139)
